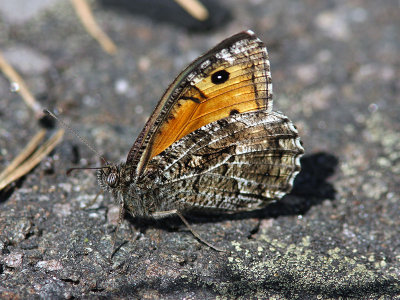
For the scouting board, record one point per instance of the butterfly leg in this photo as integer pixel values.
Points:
(114, 238)
(93, 201)
(168, 213)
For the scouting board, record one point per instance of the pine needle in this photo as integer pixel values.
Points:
(195, 8)
(22, 88)
(29, 157)
(86, 16)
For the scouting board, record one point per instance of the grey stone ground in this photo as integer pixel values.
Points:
(335, 68)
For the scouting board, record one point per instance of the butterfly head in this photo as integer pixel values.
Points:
(117, 180)
(109, 177)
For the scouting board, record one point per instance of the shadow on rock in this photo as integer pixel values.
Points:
(170, 12)
(235, 283)
(9, 190)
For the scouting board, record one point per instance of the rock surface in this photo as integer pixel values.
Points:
(335, 68)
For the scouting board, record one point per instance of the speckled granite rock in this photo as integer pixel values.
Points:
(335, 69)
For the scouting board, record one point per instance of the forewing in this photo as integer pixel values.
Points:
(233, 77)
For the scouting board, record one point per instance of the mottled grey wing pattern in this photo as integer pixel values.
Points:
(242, 162)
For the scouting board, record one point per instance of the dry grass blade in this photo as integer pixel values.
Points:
(23, 90)
(29, 158)
(25, 153)
(194, 8)
(85, 15)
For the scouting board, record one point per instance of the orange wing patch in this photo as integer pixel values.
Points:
(231, 89)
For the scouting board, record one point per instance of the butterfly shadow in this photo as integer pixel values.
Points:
(310, 188)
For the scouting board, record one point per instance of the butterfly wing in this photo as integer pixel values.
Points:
(242, 162)
(231, 78)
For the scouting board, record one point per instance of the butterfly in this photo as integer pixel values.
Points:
(213, 143)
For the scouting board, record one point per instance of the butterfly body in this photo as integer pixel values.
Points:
(213, 142)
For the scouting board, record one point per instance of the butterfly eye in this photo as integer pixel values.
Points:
(112, 179)
(220, 77)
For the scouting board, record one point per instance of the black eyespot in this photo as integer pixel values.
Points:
(219, 77)
(233, 112)
(112, 179)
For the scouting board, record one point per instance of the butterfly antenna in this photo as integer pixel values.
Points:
(90, 168)
(83, 140)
